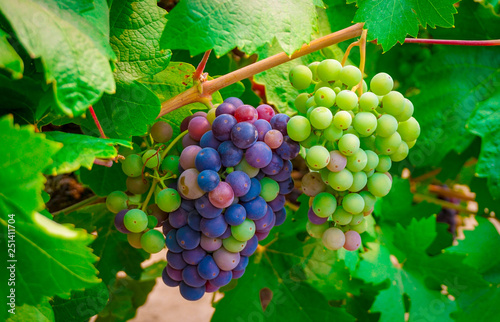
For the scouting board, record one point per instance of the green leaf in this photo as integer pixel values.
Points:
(9, 59)
(486, 202)
(247, 25)
(72, 44)
(492, 5)
(42, 312)
(485, 122)
(339, 15)
(450, 84)
(389, 22)
(233, 90)
(80, 150)
(103, 180)
(136, 26)
(479, 305)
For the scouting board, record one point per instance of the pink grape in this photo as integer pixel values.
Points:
(265, 112)
(222, 196)
(246, 113)
(198, 126)
(352, 240)
(273, 138)
(188, 156)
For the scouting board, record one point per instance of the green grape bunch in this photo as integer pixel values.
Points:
(351, 136)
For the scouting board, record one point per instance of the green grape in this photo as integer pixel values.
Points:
(316, 231)
(407, 111)
(137, 185)
(379, 184)
(134, 239)
(299, 128)
(368, 102)
(211, 115)
(370, 173)
(411, 144)
(346, 100)
(243, 231)
(365, 86)
(161, 131)
(135, 220)
(386, 125)
(321, 118)
(151, 158)
(325, 96)
(300, 103)
(317, 157)
(325, 173)
(409, 130)
(353, 203)
(372, 160)
(270, 189)
(388, 145)
(367, 143)
(332, 133)
(329, 70)
(364, 123)
(132, 165)
(341, 217)
(342, 120)
(233, 245)
(152, 222)
(357, 219)
(116, 201)
(393, 103)
(152, 241)
(168, 200)
(310, 102)
(357, 161)
(248, 169)
(314, 67)
(401, 153)
(324, 204)
(384, 163)
(171, 164)
(350, 75)
(300, 77)
(311, 141)
(320, 85)
(381, 84)
(309, 111)
(125, 151)
(135, 198)
(333, 238)
(341, 180)
(348, 144)
(359, 180)
(359, 228)
(312, 184)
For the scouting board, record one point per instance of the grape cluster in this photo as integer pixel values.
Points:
(351, 142)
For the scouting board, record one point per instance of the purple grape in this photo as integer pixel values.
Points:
(207, 268)
(244, 135)
(234, 100)
(238, 274)
(198, 126)
(206, 209)
(210, 288)
(167, 279)
(275, 166)
(230, 154)
(187, 237)
(175, 274)
(259, 155)
(225, 108)
(191, 277)
(261, 236)
(277, 203)
(191, 293)
(208, 180)
(263, 223)
(289, 149)
(315, 219)
(210, 244)
(178, 218)
(260, 175)
(171, 242)
(279, 122)
(226, 260)
(286, 186)
(254, 191)
(262, 127)
(208, 140)
(251, 247)
(227, 233)
(194, 220)
(120, 226)
(188, 155)
(222, 279)
(188, 141)
(194, 256)
(222, 125)
(285, 172)
(239, 182)
(187, 205)
(244, 260)
(256, 208)
(235, 215)
(166, 227)
(207, 159)
(246, 113)
(175, 260)
(213, 227)
(280, 217)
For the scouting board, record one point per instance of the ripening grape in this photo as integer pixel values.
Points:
(298, 128)
(161, 131)
(321, 118)
(341, 217)
(386, 125)
(301, 77)
(341, 180)
(381, 84)
(152, 241)
(316, 231)
(325, 96)
(324, 204)
(349, 144)
(352, 240)
(409, 130)
(134, 239)
(116, 201)
(300, 103)
(132, 165)
(379, 184)
(333, 238)
(329, 70)
(350, 75)
(312, 184)
(338, 161)
(346, 100)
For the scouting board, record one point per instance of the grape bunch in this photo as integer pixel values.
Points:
(351, 141)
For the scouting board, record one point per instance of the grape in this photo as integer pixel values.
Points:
(359, 180)
(230, 154)
(329, 70)
(369, 200)
(248, 169)
(207, 268)
(168, 200)
(171, 242)
(210, 244)
(352, 240)
(273, 139)
(285, 172)
(116, 201)
(246, 113)
(259, 155)
(325, 96)
(120, 226)
(188, 156)
(342, 120)
(244, 135)
(132, 165)
(167, 280)
(187, 141)
(134, 239)
(313, 67)
(409, 130)
(270, 189)
(316, 231)
(191, 277)
(357, 219)
(211, 116)
(401, 153)
(235, 215)
(151, 158)
(262, 127)
(135, 220)
(255, 208)
(337, 161)
(208, 180)
(265, 112)
(381, 84)
(386, 125)
(365, 123)
(407, 111)
(312, 184)
(222, 125)
(317, 157)
(191, 293)
(289, 149)
(341, 217)
(275, 166)
(188, 184)
(393, 103)
(225, 108)
(300, 102)
(222, 196)
(349, 144)
(321, 118)
(287, 186)
(350, 75)
(298, 128)
(171, 164)
(384, 164)
(194, 256)
(152, 241)
(277, 203)
(324, 204)
(331, 133)
(208, 140)
(234, 100)
(207, 159)
(226, 260)
(353, 203)
(254, 192)
(239, 182)
(266, 223)
(300, 77)
(251, 246)
(233, 245)
(379, 184)
(173, 273)
(187, 237)
(359, 228)
(194, 220)
(333, 238)
(357, 161)
(368, 102)
(310, 103)
(166, 227)
(161, 131)
(185, 122)
(198, 126)
(178, 218)
(311, 140)
(206, 209)
(313, 218)
(341, 180)
(388, 145)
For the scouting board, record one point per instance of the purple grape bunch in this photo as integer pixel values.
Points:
(235, 171)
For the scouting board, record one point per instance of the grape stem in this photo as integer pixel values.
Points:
(194, 94)
(150, 193)
(96, 121)
(171, 145)
(362, 59)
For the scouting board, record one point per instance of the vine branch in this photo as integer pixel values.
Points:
(452, 42)
(96, 121)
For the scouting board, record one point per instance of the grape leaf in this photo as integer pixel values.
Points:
(492, 5)
(42, 312)
(451, 82)
(486, 202)
(339, 15)
(103, 180)
(191, 25)
(47, 28)
(80, 150)
(478, 305)
(136, 26)
(389, 21)
(485, 123)
(9, 59)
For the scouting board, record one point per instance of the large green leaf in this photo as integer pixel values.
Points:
(390, 21)
(9, 59)
(80, 151)
(247, 25)
(104, 180)
(41, 312)
(72, 44)
(136, 26)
